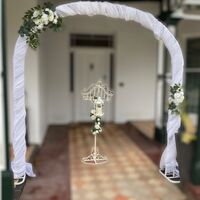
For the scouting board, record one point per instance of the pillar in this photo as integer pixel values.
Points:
(159, 113)
(195, 176)
(161, 86)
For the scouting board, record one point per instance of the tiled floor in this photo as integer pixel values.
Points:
(30, 152)
(145, 127)
(52, 168)
(129, 174)
(152, 148)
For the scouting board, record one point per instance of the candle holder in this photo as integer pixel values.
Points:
(97, 94)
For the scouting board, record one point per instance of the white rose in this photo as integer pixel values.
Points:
(37, 21)
(40, 26)
(99, 100)
(99, 112)
(179, 97)
(92, 111)
(55, 21)
(176, 102)
(51, 16)
(45, 19)
(47, 9)
(36, 13)
(97, 126)
(93, 117)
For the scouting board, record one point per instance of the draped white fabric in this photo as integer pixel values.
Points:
(19, 165)
(168, 159)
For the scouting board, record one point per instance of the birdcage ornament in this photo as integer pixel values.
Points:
(97, 94)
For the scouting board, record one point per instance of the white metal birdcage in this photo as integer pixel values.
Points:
(97, 94)
(97, 90)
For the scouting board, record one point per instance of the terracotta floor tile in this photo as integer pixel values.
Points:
(129, 174)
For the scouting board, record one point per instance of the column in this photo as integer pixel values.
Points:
(159, 113)
(195, 176)
(163, 74)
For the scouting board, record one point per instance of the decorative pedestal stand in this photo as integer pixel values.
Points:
(96, 93)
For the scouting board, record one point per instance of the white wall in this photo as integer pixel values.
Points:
(15, 11)
(43, 88)
(135, 52)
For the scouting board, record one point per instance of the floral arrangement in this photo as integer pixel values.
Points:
(37, 20)
(176, 98)
(96, 115)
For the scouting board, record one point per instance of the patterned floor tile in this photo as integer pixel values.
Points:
(129, 174)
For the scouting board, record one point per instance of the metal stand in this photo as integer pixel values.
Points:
(95, 157)
(97, 94)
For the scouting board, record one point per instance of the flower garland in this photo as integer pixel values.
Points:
(176, 98)
(96, 115)
(37, 20)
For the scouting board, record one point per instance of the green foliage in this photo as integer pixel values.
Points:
(175, 88)
(31, 30)
(173, 108)
(175, 104)
(96, 129)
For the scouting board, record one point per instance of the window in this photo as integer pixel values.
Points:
(193, 75)
(89, 40)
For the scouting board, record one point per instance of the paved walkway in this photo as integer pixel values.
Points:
(52, 168)
(129, 174)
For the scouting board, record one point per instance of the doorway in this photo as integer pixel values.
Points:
(91, 60)
(91, 65)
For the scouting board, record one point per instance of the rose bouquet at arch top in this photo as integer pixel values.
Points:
(37, 20)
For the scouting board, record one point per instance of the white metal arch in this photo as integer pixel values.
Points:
(168, 159)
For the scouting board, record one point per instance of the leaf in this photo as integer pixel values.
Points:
(28, 25)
